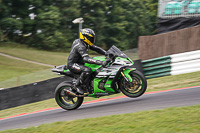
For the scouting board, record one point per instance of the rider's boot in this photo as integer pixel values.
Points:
(78, 84)
(79, 88)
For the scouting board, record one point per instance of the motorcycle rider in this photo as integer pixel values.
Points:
(79, 55)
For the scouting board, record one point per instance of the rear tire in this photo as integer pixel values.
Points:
(64, 100)
(138, 87)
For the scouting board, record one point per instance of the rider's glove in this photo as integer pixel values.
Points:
(105, 63)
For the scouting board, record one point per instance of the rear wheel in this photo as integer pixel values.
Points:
(65, 100)
(136, 88)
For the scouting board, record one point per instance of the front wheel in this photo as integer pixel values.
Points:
(136, 88)
(64, 100)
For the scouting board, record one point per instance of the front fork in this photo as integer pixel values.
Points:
(125, 74)
(124, 77)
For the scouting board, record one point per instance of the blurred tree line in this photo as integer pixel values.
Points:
(47, 24)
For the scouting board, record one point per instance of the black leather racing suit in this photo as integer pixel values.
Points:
(78, 56)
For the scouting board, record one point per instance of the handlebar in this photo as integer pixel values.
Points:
(112, 57)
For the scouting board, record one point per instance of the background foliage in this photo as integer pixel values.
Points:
(114, 22)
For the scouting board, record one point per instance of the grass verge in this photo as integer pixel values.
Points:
(13, 72)
(28, 78)
(170, 120)
(52, 58)
(15, 68)
(163, 83)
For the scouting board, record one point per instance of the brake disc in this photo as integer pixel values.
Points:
(133, 86)
(136, 84)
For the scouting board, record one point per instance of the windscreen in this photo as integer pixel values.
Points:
(114, 50)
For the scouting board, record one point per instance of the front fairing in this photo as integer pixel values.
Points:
(122, 61)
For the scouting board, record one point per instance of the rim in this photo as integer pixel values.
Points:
(65, 99)
(136, 85)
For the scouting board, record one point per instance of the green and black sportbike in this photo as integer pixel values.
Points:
(118, 76)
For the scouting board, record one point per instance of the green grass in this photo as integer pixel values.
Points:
(170, 120)
(163, 83)
(15, 68)
(13, 72)
(175, 81)
(52, 58)
(27, 79)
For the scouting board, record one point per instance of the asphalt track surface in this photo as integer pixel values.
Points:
(152, 101)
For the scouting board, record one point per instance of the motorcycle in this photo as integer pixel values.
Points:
(118, 76)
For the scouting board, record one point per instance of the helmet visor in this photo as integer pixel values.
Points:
(91, 39)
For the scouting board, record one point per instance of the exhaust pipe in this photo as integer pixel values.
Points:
(74, 94)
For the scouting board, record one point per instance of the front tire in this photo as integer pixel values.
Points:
(64, 100)
(136, 88)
